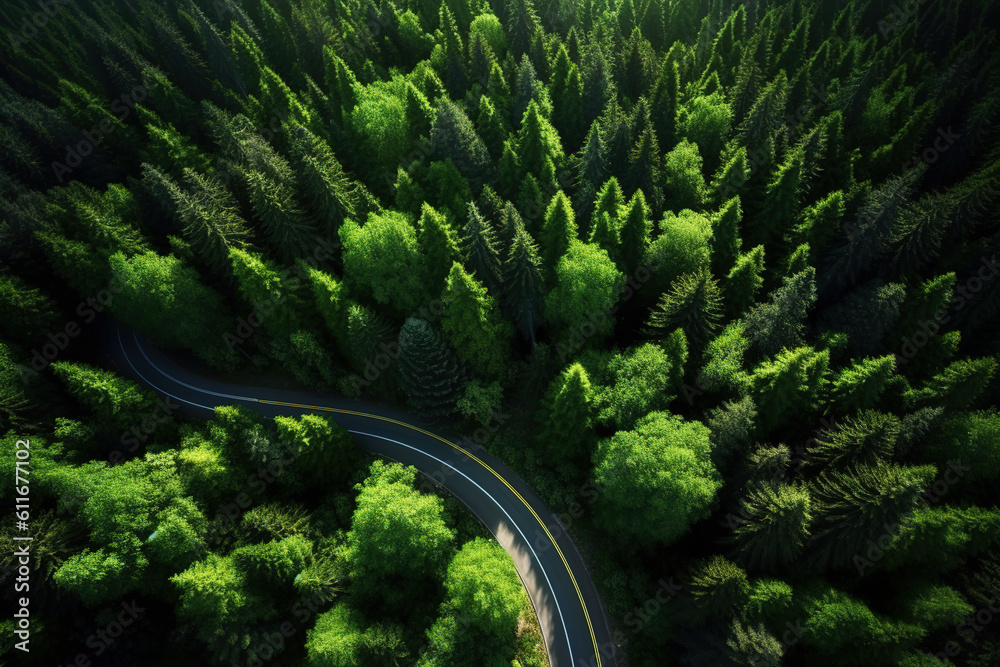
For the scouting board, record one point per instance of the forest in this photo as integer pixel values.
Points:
(717, 279)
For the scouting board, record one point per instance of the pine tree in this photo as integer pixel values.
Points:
(322, 182)
(863, 383)
(429, 370)
(682, 180)
(558, 231)
(591, 174)
(370, 347)
(480, 249)
(644, 169)
(792, 383)
(853, 506)
(635, 228)
(864, 242)
(865, 439)
(958, 386)
(566, 92)
(818, 225)
(598, 83)
(774, 525)
(781, 203)
(780, 322)
(522, 281)
(726, 237)
(492, 128)
(743, 282)
(522, 22)
(209, 214)
(539, 148)
(566, 416)
(528, 88)
(438, 242)
(693, 304)
(454, 137)
(471, 320)
(663, 102)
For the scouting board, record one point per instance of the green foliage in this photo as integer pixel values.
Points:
(772, 526)
(658, 479)
(168, 302)
(587, 285)
(970, 439)
(471, 320)
(382, 261)
(430, 371)
(566, 416)
(398, 541)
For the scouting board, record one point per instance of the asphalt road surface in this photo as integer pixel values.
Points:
(569, 610)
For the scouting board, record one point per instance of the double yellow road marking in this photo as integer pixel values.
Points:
(586, 614)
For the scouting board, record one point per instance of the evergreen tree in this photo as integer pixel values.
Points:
(863, 383)
(429, 370)
(438, 242)
(693, 304)
(683, 182)
(454, 137)
(726, 237)
(565, 418)
(853, 506)
(481, 250)
(773, 525)
(635, 228)
(865, 439)
(780, 323)
(522, 281)
(558, 231)
(793, 383)
(471, 320)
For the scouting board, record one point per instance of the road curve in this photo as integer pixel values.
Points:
(569, 610)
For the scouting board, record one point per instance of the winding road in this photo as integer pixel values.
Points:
(569, 610)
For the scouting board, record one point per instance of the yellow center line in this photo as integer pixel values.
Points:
(586, 613)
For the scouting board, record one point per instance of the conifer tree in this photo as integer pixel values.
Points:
(644, 169)
(481, 250)
(865, 439)
(663, 102)
(439, 243)
(726, 237)
(454, 137)
(851, 506)
(780, 322)
(522, 23)
(522, 282)
(693, 304)
(558, 231)
(683, 183)
(472, 322)
(774, 525)
(793, 383)
(863, 383)
(566, 92)
(429, 370)
(565, 417)
(635, 228)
